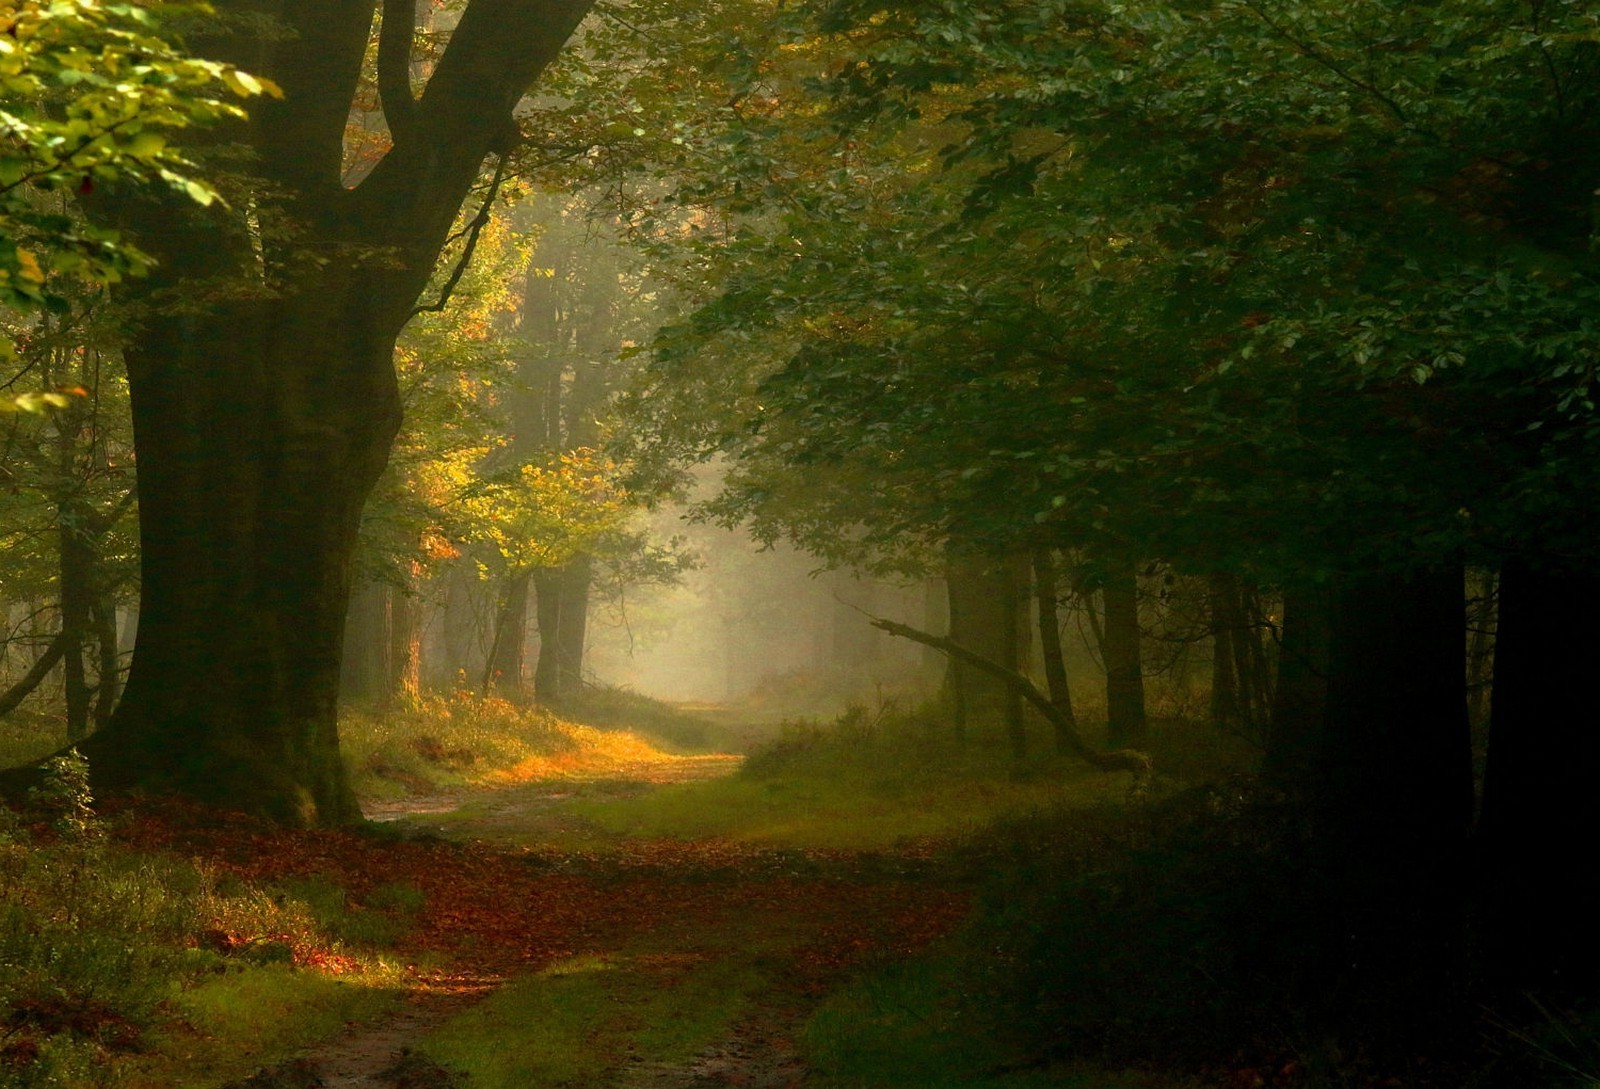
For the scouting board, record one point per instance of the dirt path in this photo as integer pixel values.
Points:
(495, 913)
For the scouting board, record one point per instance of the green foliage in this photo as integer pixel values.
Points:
(64, 797)
(90, 94)
(110, 961)
(1137, 277)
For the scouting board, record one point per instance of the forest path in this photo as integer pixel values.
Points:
(758, 935)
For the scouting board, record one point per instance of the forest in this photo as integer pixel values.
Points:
(869, 544)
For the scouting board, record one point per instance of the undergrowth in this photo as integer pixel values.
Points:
(115, 966)
(440, 742)
(877, 779)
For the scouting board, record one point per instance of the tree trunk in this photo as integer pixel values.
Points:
(1396, 773)
(1047, 591)
(562, 613)
(985, 596)
(1224, 629)
(1126, 726)
(264, 406)
(572, 629)
(503, 669)
(1295, 729)
(77, 567)
(1541, 805)
(403, 676)
(232, 696)
(364, 658)
(109, 685)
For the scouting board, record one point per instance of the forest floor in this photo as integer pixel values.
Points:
(549, 951)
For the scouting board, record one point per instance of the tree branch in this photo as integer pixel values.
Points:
(1119, 760)
(474, 229)
(394, 68)
(18, 692)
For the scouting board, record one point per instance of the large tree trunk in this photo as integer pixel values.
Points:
(265, 404)
(232, 696)
(1395, 776)
(1541, 803)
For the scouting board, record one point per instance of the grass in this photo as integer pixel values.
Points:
(580, 1021)
(464, 740)
(873, 782)
(231, 1024)
(130, 968)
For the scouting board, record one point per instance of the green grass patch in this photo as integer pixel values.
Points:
(233, 1023)
(579, 1022)
(870, 783)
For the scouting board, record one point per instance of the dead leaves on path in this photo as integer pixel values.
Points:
(494, 913)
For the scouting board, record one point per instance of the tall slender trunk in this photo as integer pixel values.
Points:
(572, 628)
(562, 595)
(1047, 591)
(77, 567)
(1126, 725)
(1225, 626)
(109, 684)
(403, 674)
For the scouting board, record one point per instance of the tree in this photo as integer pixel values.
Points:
(265, 402)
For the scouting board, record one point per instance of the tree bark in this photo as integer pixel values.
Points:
(1047, 591)
(1126, 725)
(78, 560)
(562, 613)
(403, 676)
(1295, 730)
(109, 684)
(264, 407)
(576, 577)
(503, 670)
(1395, 773)
(1224, 628)
(1541, 807)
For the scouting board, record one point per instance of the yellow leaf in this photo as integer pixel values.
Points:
(240, 83)
(29, 266)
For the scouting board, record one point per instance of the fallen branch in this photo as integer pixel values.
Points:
(1119, 760)
(18, 692)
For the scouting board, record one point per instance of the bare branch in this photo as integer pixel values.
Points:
(1119, 760)
(474, 229)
